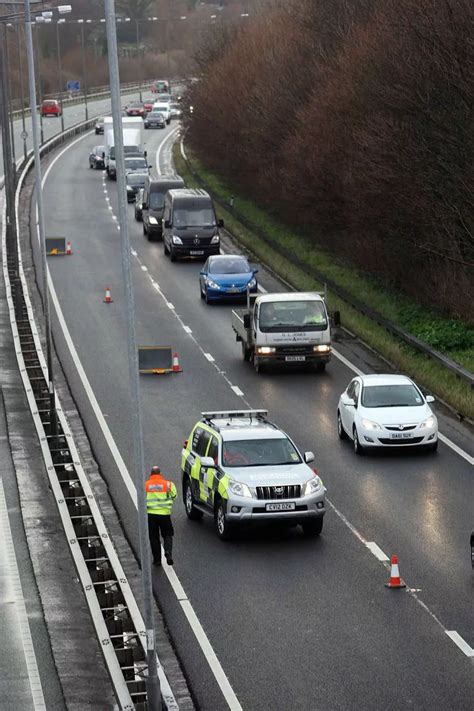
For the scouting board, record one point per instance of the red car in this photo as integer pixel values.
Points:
(50, 107)
(148, 105)
(136, 108)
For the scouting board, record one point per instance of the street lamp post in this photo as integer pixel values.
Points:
(22, 94)
(84, 74)
(138, 53)
(9, 96)
(60, 71)
(33, 58)
(152, 679)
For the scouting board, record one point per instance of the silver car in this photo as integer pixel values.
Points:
(240, 468)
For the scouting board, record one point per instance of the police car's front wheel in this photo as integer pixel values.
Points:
(191, 511)
(224, 529)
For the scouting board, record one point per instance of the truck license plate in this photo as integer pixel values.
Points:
(196, 252)
(401, 435)
(290, 506)
(295, 358)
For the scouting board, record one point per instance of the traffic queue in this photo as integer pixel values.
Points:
(237, 466)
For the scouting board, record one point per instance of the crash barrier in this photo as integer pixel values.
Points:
(55, 246)
(338, 290)
(117, 620)
(155, 359)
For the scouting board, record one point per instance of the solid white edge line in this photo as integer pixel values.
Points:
(160, 148)
(461, 643)
(20, 607)
(378, 552)
(199, 633)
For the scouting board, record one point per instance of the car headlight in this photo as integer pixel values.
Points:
(153, 220)
(215, 239)
(212, 283)
(176, 240)
(321, 349)
(313, 485)
(369, 425)
(239, 489)
(430, 422)
(252, 283)
(265, 350)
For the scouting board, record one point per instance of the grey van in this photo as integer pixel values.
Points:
(153, 200)
(190, 227)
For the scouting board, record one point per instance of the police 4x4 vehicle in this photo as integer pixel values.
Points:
(238, 467)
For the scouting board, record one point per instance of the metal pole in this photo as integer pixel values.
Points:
(41, 229)
(7, 151)
(40, 93)
(138, 51)
(9, 96)
(60, 75)
(84, 80)
(152, 680)
(22, 91)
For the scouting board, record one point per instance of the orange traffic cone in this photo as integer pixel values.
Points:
(176, 366)
(69, 248)
(395, 580)
(108, 299)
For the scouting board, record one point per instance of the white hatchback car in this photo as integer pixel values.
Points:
(386, 411)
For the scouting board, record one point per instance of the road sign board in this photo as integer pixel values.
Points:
(73, 85)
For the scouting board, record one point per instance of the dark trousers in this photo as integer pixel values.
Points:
(160, 524)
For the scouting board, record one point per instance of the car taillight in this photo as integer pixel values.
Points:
(185, 443)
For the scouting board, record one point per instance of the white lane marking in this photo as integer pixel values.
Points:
(144, 268)
(378, 552)
(118, 227)
(460, 642)
(170, 305)
(237, 390)
(347, 363)
(183, 152)
(456, 448)
(160, 148)
(105, 190)
(114, 217)
(198, 631)
(13, 575)
(209, 357)
(156, 286)
(110, 207)
(187, 329)
(221, 678)
(134, 254)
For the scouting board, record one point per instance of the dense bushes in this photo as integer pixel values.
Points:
(353, 121)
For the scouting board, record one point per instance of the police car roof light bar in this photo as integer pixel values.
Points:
(230, 414)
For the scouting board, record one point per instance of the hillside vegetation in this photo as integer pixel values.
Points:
(352, 122)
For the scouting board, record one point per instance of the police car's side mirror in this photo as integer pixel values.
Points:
(309, 457)
(207, 462)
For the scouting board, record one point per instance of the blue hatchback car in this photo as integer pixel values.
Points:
(225, 277)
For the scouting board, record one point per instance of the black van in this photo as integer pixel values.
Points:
(190, 227)
(153, 200)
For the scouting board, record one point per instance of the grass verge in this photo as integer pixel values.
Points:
(427, 372)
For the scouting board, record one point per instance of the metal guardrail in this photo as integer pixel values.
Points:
(117, 619)
(339, 291)
(100, 92)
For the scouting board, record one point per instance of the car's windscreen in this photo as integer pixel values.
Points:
(135, 164)
(137, 179)
(135, 105)
(259, 453)
(391, 396)
(229, 265)
(194, 217)
(155, 114)
(162, 107)
(157, 200)
(292, 316)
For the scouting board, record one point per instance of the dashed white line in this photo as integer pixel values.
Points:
(378, 552)
(156, 286)
(461, 643)
(134, 254)
(144, 268)
(237, 390)
(187, 329)
(170, 305)
(209, 357)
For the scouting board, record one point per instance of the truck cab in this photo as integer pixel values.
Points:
(284, 329)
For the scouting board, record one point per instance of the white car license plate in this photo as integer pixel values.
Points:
(233, 291)
(401, 435)
(290, 506)
(196, 252)
(295, 358)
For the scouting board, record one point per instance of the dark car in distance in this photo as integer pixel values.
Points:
(96, 157)
(134, 182)
(99, 126)
(155, 119)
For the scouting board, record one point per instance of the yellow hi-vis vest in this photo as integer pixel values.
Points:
(160, 495)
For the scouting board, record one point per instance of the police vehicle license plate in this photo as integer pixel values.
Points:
(196, 252)
(401, 435)
(295, 358)
(290, 506)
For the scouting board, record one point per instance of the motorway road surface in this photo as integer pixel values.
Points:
(295, 623)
